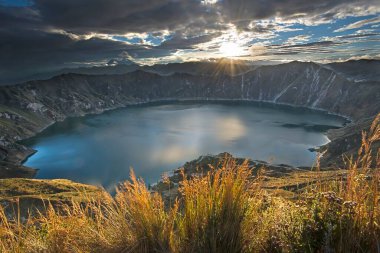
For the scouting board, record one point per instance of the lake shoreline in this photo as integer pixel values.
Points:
(227, 108)
(25, 156)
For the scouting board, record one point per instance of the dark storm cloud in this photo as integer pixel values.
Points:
(50, 34)
(121, 16)
(44, 36)
(239, 11)
(242, 9)
(15, 17)
(25, 53)
(180, 42)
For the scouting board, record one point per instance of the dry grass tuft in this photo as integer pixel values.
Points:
(224, 210)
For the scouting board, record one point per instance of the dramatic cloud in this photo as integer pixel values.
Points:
(180, 42)
(298, 39)
(310, 12)
(121, 16)
(359, 24)
(321, 47)
(38, 36)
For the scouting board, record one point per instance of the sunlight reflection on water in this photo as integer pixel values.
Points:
(153, 139)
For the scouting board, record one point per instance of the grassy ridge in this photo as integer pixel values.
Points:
(224, 210)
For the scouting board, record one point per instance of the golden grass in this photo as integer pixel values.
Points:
(224, 210)
(213, 210)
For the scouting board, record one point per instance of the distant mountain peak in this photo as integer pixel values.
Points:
(115, 62)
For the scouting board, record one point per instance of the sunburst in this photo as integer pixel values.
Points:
(231, 49)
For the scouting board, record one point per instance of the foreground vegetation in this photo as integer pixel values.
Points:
(224, 210)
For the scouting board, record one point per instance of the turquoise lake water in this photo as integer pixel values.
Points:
(101, 149)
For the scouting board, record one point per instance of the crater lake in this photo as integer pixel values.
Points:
(157, 138)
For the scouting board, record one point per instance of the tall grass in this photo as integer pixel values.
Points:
(213, 210)
(223, 210)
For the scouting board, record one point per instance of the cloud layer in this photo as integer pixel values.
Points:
(46, 35)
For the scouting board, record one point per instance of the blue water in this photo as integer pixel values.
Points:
(101, 149)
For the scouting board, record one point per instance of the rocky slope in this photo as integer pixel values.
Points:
(30, 107)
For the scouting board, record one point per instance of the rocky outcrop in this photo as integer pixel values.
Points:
(28, 108)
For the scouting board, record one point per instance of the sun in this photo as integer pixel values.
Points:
(231, 49)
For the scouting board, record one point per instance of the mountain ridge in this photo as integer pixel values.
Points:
(28, 108)
(197, 66)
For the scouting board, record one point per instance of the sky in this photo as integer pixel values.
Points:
(39, 36)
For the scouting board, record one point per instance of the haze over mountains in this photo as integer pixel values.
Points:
(354, 70)
(211, 67)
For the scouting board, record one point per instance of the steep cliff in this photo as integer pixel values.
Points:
(30, 107)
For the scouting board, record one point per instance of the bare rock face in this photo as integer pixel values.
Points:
(28, 108)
